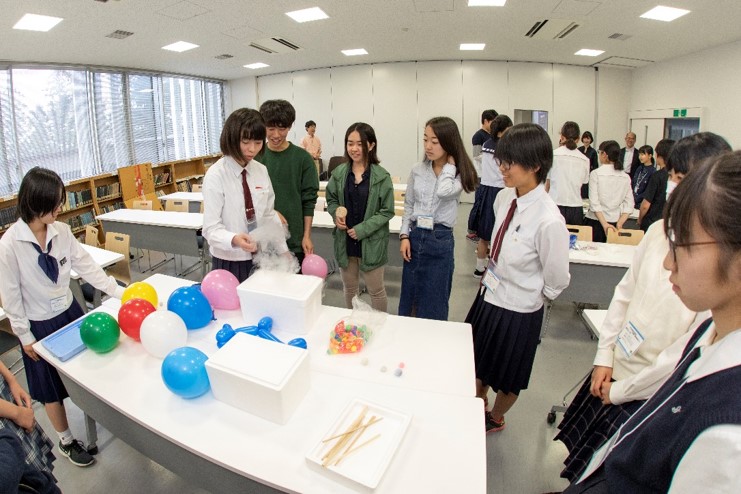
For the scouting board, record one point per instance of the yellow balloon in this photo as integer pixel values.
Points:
(140, 290)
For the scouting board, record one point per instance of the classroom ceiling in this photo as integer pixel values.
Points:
(390, 30)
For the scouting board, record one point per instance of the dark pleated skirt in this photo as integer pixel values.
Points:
(481, 220)
(240, 269)
(44, 383)
(586, 425)
(504, 345)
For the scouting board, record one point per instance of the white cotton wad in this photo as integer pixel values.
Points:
(272, 253)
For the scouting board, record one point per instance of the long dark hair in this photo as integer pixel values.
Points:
(612, 150)
(367, 137)
(449, 137)
(647, 150)
(570, 132)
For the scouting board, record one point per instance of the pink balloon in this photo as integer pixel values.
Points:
(220, 288)
(314, 265)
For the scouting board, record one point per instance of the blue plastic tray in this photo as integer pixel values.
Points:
(65, 343)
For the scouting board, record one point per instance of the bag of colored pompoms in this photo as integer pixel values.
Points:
(353, 333)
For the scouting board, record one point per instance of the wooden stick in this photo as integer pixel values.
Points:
(361, 430)
(348, 453)
(343, 440)
(371, 422)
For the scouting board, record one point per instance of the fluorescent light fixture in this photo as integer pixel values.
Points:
(666, 14)
(355, 52)
(33, 22)
(589, 53)
(486, 3)
(472, 46)
(258, 65)
(306, 15)
(180, 46)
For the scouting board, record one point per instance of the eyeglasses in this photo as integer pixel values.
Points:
(505, 165)
(673, 243)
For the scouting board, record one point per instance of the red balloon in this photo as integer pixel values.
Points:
(131, 314)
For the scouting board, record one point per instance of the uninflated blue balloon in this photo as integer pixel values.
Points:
(191, 305)
(184, 372)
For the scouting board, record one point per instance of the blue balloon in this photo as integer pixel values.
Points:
(298, 342)
(184, 372)
(224, 334)
(192, 306)
(265, 323)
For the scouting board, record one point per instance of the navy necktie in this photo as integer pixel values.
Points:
(47, 262)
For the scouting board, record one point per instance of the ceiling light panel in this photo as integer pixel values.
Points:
(354, 52)
(486, 3)
(666, 14)
(589, 53)
(258, 65)
(472, 46)
(34, 22)
(180, 46)
(307, 15)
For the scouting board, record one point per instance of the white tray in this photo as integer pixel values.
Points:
(367, 465)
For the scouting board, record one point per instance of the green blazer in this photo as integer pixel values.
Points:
(373, 231)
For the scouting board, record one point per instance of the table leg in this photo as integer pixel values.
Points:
(76, 288)
(92, 435)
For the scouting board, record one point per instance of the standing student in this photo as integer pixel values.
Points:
(430, 210)
(364, 188)
(313, 145)
(484, 133)
(686, 437)
(587, 139)
(654, 197)
(610, 195)
(569, 172)
(37, 254)
(529, 264)
(237, 195)
(643, 173)
(293, 175)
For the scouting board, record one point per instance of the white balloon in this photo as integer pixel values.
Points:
(163, 331)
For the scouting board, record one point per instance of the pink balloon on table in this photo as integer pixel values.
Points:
(220, 288)
(314, 265)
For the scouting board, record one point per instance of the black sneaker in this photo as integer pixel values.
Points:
(478, 274)
(76, 453)
(492, 425)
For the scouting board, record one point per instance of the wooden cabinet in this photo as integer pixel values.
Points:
(79, 209)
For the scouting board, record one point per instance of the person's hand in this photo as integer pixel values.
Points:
(307, 245)
(451, 160)
(340, 223)
(24, 418)
(600, 375)
(21, 397)
(607, 227)
(406, 249)
(352, 234)
(244, 242)
(31, 352)
(606, 393)
(282, 218)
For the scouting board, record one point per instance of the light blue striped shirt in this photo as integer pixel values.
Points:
(430, 195)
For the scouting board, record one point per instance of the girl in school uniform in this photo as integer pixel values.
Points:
(610, 195)
(529, 263)
(238, 195)
(430, 210)
(364, 188)
(36, 256)
(685, 437)
(569, 172)
(587, 139)
(643, 173)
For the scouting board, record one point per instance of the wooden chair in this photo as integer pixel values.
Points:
(399, 195)
(178, 205)
(141, 204)
(197, 188)
(583, 233)
(119, 242)
(625, 237)
(91, 236)
(334, 162)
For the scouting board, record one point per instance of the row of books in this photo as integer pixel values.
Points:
(162, 178)
(107, 208)
(79, 221)
(77, 199)
(184, 186)
(8, 216)
(103, 191)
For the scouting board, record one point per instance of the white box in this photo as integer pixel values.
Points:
(294, 301)
(259, 376)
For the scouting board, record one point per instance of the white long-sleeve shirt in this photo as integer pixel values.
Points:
(27, 292)
(427, 194)
(609, 193)
(569, 172)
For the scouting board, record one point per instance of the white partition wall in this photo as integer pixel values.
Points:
(440, 93)
(352, 101)
(573, 97)
(278, 86)
(312, 99)
(484, 87)
(613, 98)
(531, 88)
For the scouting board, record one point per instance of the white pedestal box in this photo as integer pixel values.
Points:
(261, 377)
(294, 301)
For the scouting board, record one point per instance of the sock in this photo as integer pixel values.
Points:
(66, 437)
(481, 264)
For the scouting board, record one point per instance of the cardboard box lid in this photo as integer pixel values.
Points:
(284, 285)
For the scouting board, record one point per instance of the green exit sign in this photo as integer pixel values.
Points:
(680, 112)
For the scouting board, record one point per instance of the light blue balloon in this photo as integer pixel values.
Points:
(184, 372)
(192, 306)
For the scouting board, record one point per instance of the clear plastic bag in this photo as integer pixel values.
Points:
(352, 333)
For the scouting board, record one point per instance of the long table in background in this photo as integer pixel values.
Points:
(224, 449)
(596, 268)
(194, 199)
(103, 258)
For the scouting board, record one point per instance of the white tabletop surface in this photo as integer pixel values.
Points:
(430, 457)
(155, 218)
(596, 318)
(323, 219)
(183, 196)
(402, 187)
(103, 257)
(615, 255)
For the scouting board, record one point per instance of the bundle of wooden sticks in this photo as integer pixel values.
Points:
(345, 441)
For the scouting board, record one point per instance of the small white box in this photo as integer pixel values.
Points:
(259, 376)
(294, 301)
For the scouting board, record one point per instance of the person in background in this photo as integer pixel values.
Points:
(587, 139)
(610, 196)
(37, 254)
(361, 237)
(479, 138)
(430, 210)
(629, 155)
(569, 172)
(238, 195)
(643, 174)
(313, 145)
(293, 175)
(492, 183)
(654, 197)
(529, 264)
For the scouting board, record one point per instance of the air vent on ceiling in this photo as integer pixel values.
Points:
(223, 57)
(275, 45)
(118, 34)
(620, 36)
(552, 29)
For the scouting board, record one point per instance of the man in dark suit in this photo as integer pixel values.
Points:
(629, 155)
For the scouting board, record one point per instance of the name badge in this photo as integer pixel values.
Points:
(251, 220)
(629, 339)
(59, 303)
(425, 222)
(491, 279)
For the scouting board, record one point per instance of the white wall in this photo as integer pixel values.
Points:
(242, 93)
(613, 102)
(708, 79)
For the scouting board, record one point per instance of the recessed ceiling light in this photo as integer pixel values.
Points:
(486, 3)
(355, 52)
(589, 53)
(180, 46)
(258, 65)
(33, 22)
(666, 14)
(472, 46)
(306, 15)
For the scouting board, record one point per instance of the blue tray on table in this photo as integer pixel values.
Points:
(66, 342)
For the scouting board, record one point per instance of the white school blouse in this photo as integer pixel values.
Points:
(25, 289)
(534, 260)
(570, 170)
(609, 193)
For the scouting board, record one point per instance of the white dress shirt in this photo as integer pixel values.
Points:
(628, 160)
(224, 209)
(25, 289)
(490, 173)
(569, 172)
(609, 193)
(428, 194)
(534, 261)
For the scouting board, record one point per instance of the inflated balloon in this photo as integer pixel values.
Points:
(131, 314)
(141, 290)
(191, 305)
(220, 288)
(227, 332)
(224, 334)
(184, 372)
(99, 332)
(314, 265)
(161, 332)
(265, 323)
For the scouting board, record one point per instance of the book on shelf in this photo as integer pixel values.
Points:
(77, 199)
(162, 178)
(107, 208)
(104, 191)
(8, 216)
(81, 220)
(184, 186)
